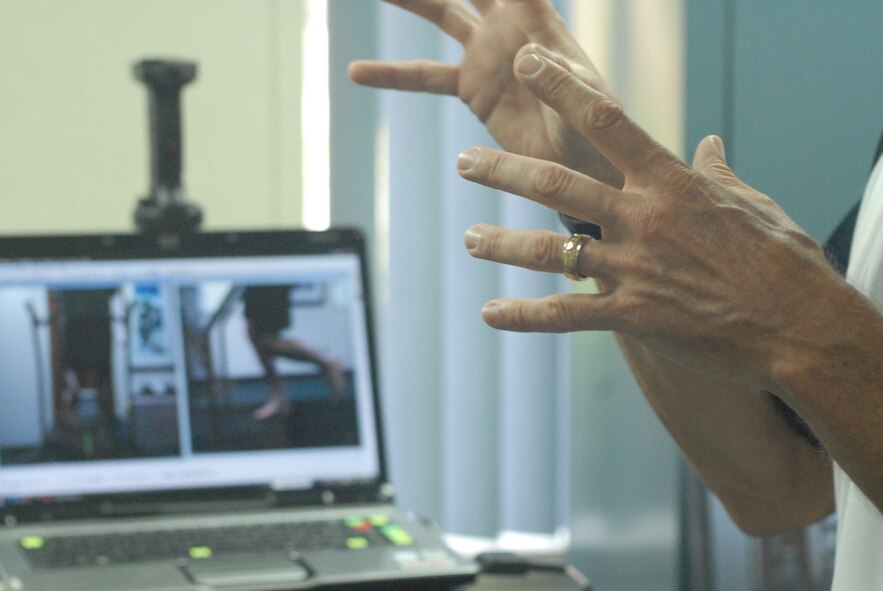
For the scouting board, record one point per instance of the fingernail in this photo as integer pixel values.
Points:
(472, 237)
(490, 313)
(467, 160)
(529, 65)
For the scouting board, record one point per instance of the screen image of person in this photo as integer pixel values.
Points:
(267, 365)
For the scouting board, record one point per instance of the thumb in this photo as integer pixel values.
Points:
(710, 159)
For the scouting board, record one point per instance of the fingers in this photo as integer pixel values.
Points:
(535, 250)
(548, 183)
(451, 16)
(599, 118)
(418, 75)
(555, 313)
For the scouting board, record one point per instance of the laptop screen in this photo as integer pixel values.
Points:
(220, 362)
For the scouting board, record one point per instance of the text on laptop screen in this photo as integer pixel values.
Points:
(165, 374)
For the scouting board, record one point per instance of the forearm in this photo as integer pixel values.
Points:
(831, 372)
(768, 476)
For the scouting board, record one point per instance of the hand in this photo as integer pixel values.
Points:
(696, 265)
(485, 82)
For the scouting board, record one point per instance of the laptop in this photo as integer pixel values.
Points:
(198, 412)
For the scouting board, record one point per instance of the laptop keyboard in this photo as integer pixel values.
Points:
(352, 534)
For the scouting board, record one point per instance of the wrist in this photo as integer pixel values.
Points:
(839, 347)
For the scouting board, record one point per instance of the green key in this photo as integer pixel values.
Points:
(401, 539)
(397, 535)
(200, 552)
(356, 543)
(32, 542)
(354, 521)
(379, 520)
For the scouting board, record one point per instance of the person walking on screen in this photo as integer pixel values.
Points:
(268, 313)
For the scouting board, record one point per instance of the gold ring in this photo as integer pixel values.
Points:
(570, 256)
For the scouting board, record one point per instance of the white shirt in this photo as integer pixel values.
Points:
(858, 565)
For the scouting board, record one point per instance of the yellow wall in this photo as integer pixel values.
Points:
(73, 120)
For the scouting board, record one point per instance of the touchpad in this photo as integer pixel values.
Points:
(231, 571)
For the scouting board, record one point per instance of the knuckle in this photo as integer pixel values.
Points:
(493, 164)
(490, 244)
(558, 313)
(551, 180)
(544, 251)
(557, 86)
(602, 114)
(423, 75)
(516, 318)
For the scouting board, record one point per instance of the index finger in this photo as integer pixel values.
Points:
(599, 118)
(416, 75)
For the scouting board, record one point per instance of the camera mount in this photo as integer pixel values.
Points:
(166, 209)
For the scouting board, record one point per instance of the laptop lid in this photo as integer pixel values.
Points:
(137, 373)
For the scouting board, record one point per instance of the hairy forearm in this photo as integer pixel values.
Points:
(769, 477)
(831, 372)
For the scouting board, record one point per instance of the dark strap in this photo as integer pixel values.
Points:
(840, 242)
(575, 226)
(879, 152)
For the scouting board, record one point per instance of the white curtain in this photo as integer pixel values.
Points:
(476, 438)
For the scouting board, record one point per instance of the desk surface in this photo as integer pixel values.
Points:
(531, 582)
